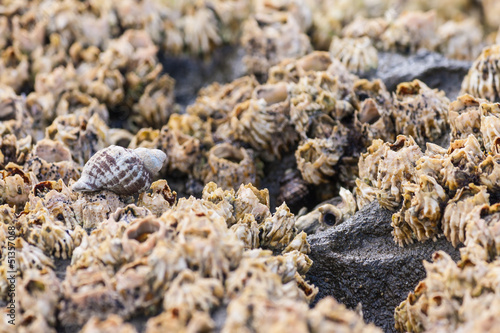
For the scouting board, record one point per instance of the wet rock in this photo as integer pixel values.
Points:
(432, 68)
(358, 262)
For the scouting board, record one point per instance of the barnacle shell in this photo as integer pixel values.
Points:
(357, 54)
(182, 150)
(112, 324)
(230, 166)
(317, 158)
(460, 40)
(291, 70)
(420, 111)
(464, 116)
(455, 218)
(361, 27)
(481, 80)
(278, 230)
(490, 126)
(410, 32)
(120, 170)
(421, 211)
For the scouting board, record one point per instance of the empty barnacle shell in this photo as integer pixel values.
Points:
(120, 170)
(482, 78)
(357, 54)
(230, 166)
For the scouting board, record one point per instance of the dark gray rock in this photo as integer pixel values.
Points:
(358, 262)
(432, 68)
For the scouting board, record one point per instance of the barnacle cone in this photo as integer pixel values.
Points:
(358, 55)
(230, 166)
(420, 111)
(482, 78)
(317, 158)
(464, 115)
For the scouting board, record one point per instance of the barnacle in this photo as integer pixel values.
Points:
(182, 150)
(386, 168)
(365, 27)
(160, 199)
(93, 208)
(14, 68)
(14, 185)
(250, 200)
(278, 230)
(481, 79)
(317, 158)
(230, 166)
(420, 111)
(421, 211)
(247, 230)
(357, 54)
(464, 116)
(482, 242)
(269, 38)
(490, 125)
(112, 324)
(460, 40)
(291, 70)
(410, 32)
(455, 217)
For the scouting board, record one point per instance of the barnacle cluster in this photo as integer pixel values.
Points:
(89, 122)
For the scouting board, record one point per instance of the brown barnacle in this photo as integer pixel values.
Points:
(269, 38)
(482, 238)
(82, 289)
(38, 292)
(328, 315)
(256, 312)
(481, 80)
(247, 231)
(15, 185)
(223, 201)
(410, 32)
(14, 68)
(453, 296)
(230, 166)
(278, 230)
(112, 324)
(156, 103)
(387, 167)
(464, 116)
(217, 101)
(317, 158)
(264, 125)
(190, 292)
(300, 244)
(374, 114)
(146, 138)
(173, 321)
(423, 213)
(455, 217)
(93, 208)
(357, 54)
(159, 198)
(30, 256)
(291, 70)
(365, 27)
(460, 166)
(490, 125)
(420, 111)
(489, 173)
(182, 150)
(460, 39)
(317, 95)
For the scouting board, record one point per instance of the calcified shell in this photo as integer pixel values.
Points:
(120, 170)
(482, 79)
(357, 54)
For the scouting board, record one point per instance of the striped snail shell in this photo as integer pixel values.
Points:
(120, 170)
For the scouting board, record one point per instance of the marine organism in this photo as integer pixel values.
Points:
(120, 170)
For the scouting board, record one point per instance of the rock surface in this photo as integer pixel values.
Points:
(432, 68)
(358, 262)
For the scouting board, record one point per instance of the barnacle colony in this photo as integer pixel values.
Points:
(89, 121)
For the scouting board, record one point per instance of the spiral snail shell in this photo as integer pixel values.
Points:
(120, 170)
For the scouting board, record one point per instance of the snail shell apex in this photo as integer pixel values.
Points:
(120, 170)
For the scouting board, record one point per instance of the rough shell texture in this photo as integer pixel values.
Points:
(120, 170)
(357, 54)
(482, 79)
(420, 111)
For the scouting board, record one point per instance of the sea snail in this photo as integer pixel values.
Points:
(120, 170)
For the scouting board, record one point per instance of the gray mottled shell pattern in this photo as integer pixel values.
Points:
(120, 170)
